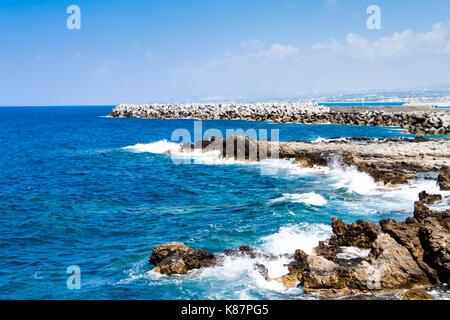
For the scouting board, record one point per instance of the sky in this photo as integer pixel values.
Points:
(162, 50)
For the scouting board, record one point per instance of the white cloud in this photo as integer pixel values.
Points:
(400, 44)
(252, 45)
(330, 3)
(255, 55)
(105, 67)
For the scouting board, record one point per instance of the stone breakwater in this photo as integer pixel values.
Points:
(401, 256)
(417, 122)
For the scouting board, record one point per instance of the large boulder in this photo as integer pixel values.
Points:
(406, 233)
(322, 273)
(177, 258)
(394, 266)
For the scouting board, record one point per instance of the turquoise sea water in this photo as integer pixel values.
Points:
(78, 188)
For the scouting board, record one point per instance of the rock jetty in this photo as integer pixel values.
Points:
(429, 122)
(403, 257)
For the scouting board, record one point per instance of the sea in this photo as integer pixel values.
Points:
(84, 198)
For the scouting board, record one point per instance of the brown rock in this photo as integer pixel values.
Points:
(389, 267)
(328, 251)
(444, 178)
(429, 198)
(311, 160)
(407, 234)
(360, 234)
(421, 211)
(321, 273)
(177, 258)
(161, 252)
(436, 242)
(416, 294)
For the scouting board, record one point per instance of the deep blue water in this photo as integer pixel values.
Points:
(70, 195)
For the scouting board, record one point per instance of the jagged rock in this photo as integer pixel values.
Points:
(360, 234)
(436, 242)
(161, 252)
(246, 251)
(407, 234)
(321, 273)
(262, 269)
(290, 280)
(444, 178)
(310, 160)
(328, 251)
(421, 211)
(172, 264)
(394, 266)
(177, 258)
(416, 294)
(429, 198)
(243, 250)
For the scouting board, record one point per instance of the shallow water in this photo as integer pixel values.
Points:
(78, 188)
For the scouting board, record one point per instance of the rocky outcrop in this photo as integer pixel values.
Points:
(177, 258)
(416, 294)
(444, 178)
(411, 254)
(403, 255)
(429, 198)
(360, 234)
(389, 162)
(419, 122)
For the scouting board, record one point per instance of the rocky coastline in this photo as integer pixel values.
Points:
(395, 258)
(402, 257)
(389, 162)
(423, 122)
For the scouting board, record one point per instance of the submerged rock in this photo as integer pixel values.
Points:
(262, 269)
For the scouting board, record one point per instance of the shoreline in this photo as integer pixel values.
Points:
(416, 120)
(389, 258)
(388, 161)
(360, 260)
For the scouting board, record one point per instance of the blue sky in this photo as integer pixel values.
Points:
(149, 51)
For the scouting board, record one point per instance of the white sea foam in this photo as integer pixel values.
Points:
(353, 180)
(162, 146)
(242, 270)
(289, 238)
(310, 198)
(353, 252)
